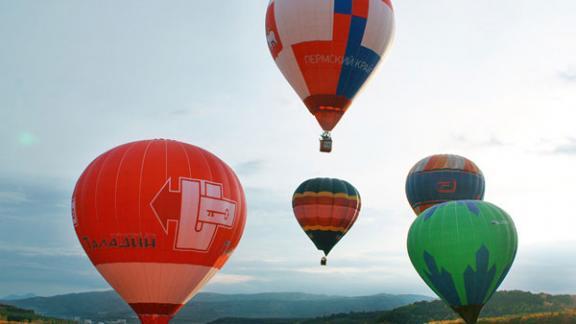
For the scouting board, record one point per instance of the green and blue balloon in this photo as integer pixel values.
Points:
(463, 251)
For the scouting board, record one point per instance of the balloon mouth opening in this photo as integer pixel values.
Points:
(154, 313)
(154, 319)
(469, 313)
(328, 109)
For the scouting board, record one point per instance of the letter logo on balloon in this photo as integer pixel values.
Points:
(446, 186)
(197, 208)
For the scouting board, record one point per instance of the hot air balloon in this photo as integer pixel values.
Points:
(327, 50)
(158, 218)
(463, 251)
(326, 209)
(443, 177)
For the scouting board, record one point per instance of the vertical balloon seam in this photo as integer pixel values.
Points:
(145, 266)
(317, 207)
(328, 185)
(349, 205)
(339, 187)
(492, 215)
(97, 191)
(475, 238)
(243, 209)
(242, 203)
(169, 144)
(489, 215)
(226, 183)
(299, 218)
(126, 151)
(334, 184)
(451, 214)
(141, 220)
(187, 159)
(120, 283)
(188, 163)
(357, 204)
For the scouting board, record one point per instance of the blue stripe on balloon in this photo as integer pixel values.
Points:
(423, 187)
(429, 212)
(343, 7)
(358, 62)
(357, 28)
(473, 207)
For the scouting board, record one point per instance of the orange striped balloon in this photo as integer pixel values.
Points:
(326, 209)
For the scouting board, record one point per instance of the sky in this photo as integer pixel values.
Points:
(494, 81)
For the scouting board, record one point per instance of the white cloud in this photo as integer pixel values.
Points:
(12, 197)
(568, 75)
(231, 279)
(33, 251)
(342, 270)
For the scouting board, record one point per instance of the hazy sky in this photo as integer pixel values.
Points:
(494, 81)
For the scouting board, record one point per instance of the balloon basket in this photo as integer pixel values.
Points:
(326, 143)
(323, 261)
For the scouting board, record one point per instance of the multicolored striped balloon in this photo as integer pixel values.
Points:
(443, 177)
(327, 49)
(326, 209)
(463, 251)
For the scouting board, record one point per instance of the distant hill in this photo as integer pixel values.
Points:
(563, 317)
(280, 308)
(501, 304)
(16, 297)
(505, 307)
(11, 314)
(207, 307)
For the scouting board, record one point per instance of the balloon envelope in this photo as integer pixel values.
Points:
(443, 177)
(463, 251)
(326, 209)
(327, 49)
(158, 219)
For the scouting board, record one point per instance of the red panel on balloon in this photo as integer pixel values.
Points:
(320, 64)
(159, 201)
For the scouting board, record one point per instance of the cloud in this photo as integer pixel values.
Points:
(46, 270)
(34, 251)
(12, 197)
(249, 167)
(343, 270)
(491, 141)
(546, 267)
(35, 213)
(227, 279)
(568, 75)
(179, 112)
(567, 148)
(39, 252)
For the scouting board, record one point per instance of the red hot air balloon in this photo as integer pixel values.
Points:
(327, 50)
(158, 219)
